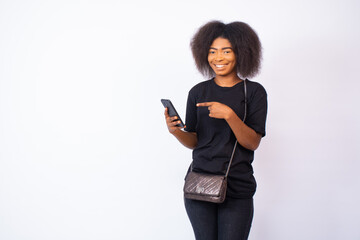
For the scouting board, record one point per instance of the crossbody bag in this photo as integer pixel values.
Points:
(210, 187)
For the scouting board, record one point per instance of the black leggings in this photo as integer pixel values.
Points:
(230, 220)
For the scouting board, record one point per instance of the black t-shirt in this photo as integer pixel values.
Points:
(215, 137)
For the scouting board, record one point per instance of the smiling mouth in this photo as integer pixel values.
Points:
(219, 66)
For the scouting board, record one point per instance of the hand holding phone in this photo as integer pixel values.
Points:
(173, 117)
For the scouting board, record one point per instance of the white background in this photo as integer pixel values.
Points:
(83, 141)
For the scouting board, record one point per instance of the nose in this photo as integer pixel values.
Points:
(219, 56)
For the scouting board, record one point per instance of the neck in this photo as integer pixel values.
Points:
(227, 81)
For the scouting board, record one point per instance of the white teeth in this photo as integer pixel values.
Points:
(219, 66)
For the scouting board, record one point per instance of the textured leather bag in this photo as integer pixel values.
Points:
(205, 187)
(209, 187)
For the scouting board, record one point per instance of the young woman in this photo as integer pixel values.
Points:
(229, 54)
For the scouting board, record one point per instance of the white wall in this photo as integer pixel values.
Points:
(82, 135)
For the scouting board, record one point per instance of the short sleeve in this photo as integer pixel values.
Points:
(191, 112)
(257, 110)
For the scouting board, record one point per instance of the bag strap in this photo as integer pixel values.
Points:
(233, 152)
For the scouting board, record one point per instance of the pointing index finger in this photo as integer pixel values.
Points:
(204, 104)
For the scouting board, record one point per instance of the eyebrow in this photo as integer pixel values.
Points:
(222, 48)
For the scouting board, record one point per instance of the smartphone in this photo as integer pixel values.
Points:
(172, 111)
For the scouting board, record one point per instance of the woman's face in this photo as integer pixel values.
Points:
(222, 58)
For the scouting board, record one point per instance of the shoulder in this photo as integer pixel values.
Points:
(255, 88)
(200, 87)
(255, 85)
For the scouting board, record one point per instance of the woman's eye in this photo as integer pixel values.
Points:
(212, 52)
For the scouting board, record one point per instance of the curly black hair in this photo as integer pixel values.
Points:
(244, 40)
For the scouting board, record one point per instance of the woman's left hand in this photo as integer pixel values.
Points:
(217, 110)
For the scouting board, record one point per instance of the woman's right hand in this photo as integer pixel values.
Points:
(188, 139)
(171, 122)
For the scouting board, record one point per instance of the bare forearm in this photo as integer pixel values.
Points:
(246, 136)
(188, 139)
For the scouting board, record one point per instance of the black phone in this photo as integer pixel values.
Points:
(172, 111)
